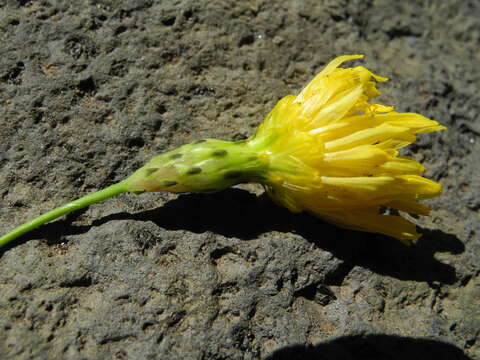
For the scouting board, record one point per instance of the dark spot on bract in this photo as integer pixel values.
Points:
(233, 175)
(168, 183)
(194, 170)
(200, 141)
(150, 171)
(176, 156)
(220, 153)
(139, 192)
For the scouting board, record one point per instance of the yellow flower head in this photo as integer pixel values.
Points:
(334, 154)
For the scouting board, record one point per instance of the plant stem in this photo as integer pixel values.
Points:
(63, 210)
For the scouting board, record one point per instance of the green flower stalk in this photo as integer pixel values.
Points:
(327, 151)
(63, 210)
(204, 166)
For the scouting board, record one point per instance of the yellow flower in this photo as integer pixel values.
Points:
(334, 154)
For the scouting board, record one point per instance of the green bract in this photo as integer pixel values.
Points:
(203, 166)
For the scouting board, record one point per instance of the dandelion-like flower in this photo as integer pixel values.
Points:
(335, 155)
(327, 151)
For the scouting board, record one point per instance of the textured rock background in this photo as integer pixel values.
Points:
(90, 91)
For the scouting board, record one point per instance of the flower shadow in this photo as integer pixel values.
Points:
(371, 347)
(241, 214)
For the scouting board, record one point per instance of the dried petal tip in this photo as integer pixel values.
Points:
(333, 153)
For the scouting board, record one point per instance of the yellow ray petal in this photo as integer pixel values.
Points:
(335, 63)
(366, 156)
(390, 225)
(363, 183)
(366, 136)
(409, 206)
(403, 166)
(312, 87)
(398, 142)
(416, 122)
(337, 107)
(424, 188)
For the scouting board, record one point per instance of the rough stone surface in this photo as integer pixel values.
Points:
(90, 91)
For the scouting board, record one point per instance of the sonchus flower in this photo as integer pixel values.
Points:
(334, 154)
(327, 151)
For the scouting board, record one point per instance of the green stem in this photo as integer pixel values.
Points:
(63, 210)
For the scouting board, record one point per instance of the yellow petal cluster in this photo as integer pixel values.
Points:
(334, 154)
